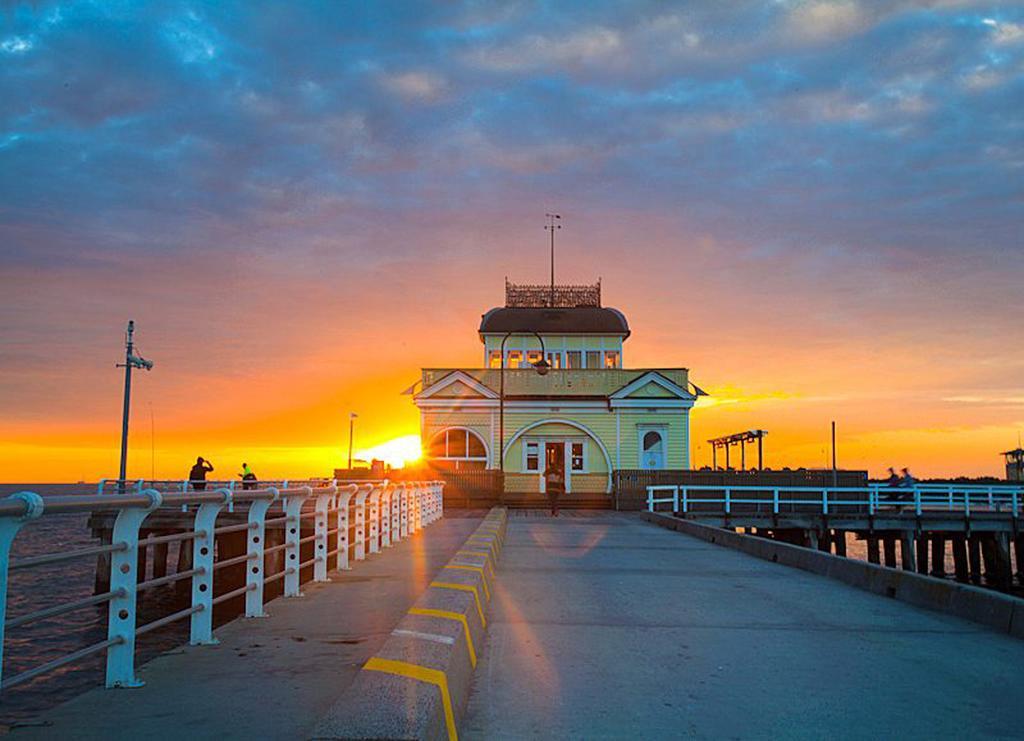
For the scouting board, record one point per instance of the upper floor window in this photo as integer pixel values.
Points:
(574, 359)
(533, 357)
(611, 359)
(515, 359)
(494, 358)
(555, 359)
(593, 359)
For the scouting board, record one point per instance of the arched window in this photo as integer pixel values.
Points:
(457, 448)
(652, 449)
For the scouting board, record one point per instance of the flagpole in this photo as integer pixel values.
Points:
(351, 428)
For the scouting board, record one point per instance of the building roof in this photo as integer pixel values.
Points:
(565, 321)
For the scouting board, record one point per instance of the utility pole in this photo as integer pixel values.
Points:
(551, 226)
(130, 361)
(351, 429)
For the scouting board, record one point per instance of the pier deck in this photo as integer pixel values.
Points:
(269, 678)
(603, 626)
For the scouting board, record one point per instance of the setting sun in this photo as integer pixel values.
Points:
(396, 453)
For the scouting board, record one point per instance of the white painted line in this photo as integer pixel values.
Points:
(448, 640)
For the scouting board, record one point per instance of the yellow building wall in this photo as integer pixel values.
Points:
(620, 440)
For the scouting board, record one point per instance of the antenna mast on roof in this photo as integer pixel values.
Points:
(553, 224)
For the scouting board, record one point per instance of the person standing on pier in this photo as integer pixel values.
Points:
(198, 473)
(248, 477)
(554, 485)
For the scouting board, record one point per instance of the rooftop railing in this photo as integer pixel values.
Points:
(870, 500)
(380, 514)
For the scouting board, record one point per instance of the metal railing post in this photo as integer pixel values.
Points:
(675, 499)
(728, 501)
(9, 527)
(292, 533)
(917, 501)
(403, 522)
(686, 499)
(254, 566)
(650, 499)
(323, 503)
(440, 499)
(396, 513)
(967, 503)
(375, 518)
(203, 546)
(387, 491)
(345, 495)
(364, 491)
(824, 501)
(121, 612)
(775, 501)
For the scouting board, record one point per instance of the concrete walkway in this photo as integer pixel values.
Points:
(269, 678)
(603, 626)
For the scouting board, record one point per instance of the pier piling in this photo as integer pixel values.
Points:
(938, 555)
(921, 541)
(959, 545)
(974, 557)
(889, 547)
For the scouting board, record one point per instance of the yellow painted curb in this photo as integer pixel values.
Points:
(450, 616)
(478, 569)
(422, 674)
(464, 588)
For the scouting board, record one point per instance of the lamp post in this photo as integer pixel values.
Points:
(542, 367)
(131, 360)
(351, 428)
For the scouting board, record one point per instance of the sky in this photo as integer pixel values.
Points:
(817, 207)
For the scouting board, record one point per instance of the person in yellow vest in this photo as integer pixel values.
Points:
(248, 477)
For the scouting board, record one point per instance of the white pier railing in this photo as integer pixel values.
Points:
(872, 499)
(383, 513)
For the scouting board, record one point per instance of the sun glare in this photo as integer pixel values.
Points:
(396, 453)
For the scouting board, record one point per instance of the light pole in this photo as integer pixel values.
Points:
(542, 367)
(351, 428)
(130, 361)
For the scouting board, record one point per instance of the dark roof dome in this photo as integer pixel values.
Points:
(546, 320)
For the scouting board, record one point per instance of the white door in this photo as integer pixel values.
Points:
(652, 450)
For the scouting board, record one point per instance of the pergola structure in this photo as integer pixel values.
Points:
(1014, 464)
(741, 439)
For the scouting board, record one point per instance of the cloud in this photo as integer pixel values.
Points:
(415, 85)
(825, 20)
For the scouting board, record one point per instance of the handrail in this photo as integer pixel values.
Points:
(926, 497)
(388, 513)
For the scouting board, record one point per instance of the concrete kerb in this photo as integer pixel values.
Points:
(417, 686)
(995, 610)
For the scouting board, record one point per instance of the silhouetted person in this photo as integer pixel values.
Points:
(198, 473)
(248, 477)
(893, 478)
(906, 480)
(554, 484)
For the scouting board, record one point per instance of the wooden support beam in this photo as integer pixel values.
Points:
(839, 540)
(102, 581)
(1001, 558)
(938, 554)
(974, 557)
(958, 543)
(889, 547)
(873, 556)
(907, 538)
(159, 560)
(922, 553)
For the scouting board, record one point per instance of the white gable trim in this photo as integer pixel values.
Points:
(454, 377)
(658, 380)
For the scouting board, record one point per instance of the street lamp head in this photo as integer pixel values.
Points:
(542, 367)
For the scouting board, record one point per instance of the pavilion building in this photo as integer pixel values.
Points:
(585, 413)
